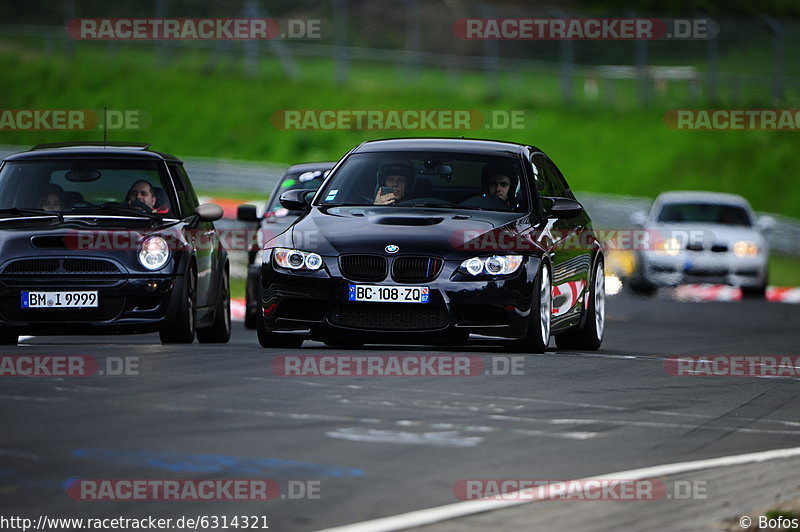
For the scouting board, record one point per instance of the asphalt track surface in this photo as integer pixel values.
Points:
(379, 446)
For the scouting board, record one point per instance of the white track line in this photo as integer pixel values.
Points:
(461, 509)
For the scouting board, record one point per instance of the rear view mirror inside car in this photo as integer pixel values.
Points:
(82, 175)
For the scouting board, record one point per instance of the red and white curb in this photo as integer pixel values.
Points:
(237, 308)
(718, 292)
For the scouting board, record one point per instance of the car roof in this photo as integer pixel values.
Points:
(442, 144)
(310, 167)
(62, 150)
(701, 196)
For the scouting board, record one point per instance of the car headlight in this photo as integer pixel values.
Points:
(745, 249)
(671, 246)
(154, 253)
(294, 259)
(494, 265)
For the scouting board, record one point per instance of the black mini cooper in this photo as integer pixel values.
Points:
(105, 239)
(441, 238)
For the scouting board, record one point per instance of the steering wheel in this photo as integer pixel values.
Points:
(139, 205)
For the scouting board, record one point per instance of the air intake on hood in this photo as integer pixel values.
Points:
(406, 220)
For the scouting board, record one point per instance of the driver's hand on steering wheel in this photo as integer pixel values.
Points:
(136, 204)
(386, 199)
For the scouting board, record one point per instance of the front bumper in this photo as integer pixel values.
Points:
(703, 267)
(127, 304)
(318, 302)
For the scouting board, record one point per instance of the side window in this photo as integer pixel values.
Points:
(549, 179)
(186, 196)
(560, 177)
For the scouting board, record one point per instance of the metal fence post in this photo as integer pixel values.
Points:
(712, 74)
(69, 14)
(779, 38)
(161, 45)
(413, 40)
(491, 64)
(340, 62)
(566, 55)
(250, 46)
(642, 75)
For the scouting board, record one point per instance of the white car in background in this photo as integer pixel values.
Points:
(701, 237)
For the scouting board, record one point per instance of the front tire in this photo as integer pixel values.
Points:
(220, 330)
(180, 329)
(538, 334)
(589, 334)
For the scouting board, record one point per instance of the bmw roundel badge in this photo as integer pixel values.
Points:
(392, 248)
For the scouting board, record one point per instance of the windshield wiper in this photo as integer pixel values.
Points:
(348, 205)
(442, 205)
(32, 212)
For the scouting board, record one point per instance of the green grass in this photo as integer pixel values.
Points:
(784, 270)
(216, 111)
(238, 286)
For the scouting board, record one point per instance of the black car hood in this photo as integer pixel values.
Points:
(438, 232)
(110, 240)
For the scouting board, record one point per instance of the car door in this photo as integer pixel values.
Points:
(203, 237)
(570, 257)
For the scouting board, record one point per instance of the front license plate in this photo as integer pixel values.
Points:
(388, 294)
(83, 299)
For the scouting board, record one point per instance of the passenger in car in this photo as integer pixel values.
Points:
(53, 198)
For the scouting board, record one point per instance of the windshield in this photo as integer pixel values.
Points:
(74, 186)
(434, 179)
(712, 213)
(310, 180)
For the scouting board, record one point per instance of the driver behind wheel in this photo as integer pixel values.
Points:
(399, 176)
(499, 181)
(143, 194)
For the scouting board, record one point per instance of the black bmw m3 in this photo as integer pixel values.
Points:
(103, 238)
(424, 241)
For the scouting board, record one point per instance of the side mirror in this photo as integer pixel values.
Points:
(247, 213)
(209, 212)
(639, 218)
(562, 207)
(296, 200)
(766, 223)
